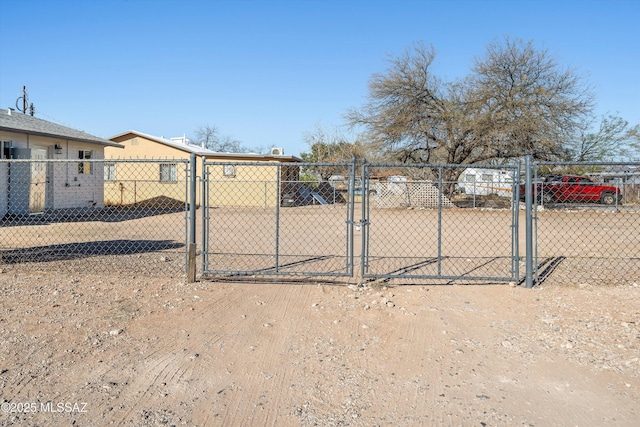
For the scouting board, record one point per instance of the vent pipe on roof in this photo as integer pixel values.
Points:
(9, 111)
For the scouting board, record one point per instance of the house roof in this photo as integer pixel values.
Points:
(13, 121)
(200, 151)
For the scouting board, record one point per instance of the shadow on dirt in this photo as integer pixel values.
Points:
(148, 208)
(69, 251)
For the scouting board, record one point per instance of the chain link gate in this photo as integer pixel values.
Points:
(273, 219)
(445, 223)
(411, 228)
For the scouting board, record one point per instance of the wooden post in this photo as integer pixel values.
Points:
(191, 274)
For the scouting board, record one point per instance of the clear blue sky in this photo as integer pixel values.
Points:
(266, 72)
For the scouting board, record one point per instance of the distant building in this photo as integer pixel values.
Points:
(125, 180)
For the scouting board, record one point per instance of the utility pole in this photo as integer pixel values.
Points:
(24, 103)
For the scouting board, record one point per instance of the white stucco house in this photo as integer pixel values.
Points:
(30, 186)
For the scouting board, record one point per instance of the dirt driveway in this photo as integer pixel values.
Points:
(90, 347)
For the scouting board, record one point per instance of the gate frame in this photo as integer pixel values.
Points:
(366, 223)
(275, 269)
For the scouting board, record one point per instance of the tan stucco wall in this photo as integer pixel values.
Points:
(137, 147)
(251, 186)
(137, 182)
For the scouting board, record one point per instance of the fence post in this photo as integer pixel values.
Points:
(364, 221)
(440, 220)
(191, 268)
(528, 198)
(278, 202)
(350, 212)
(515, 233)
(204, 205)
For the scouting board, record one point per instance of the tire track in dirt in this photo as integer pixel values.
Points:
(185, 365)
(278, 319)
(494, 377)
(297, 308)
(408, 370)
(163, 371)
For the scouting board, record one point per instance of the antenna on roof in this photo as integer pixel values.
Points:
(24, 98)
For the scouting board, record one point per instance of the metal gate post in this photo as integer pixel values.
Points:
(205, 215)
(440, 221)
(192, 199)
(534, 219)
(364, 221)
(350, 215)
(279, 198)
(191, 268)
(528, 198)
(515, 230)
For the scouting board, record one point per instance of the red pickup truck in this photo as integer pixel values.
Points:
(574, 188)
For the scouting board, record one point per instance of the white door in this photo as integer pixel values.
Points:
(38, 185)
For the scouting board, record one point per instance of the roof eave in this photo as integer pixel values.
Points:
(67, 138)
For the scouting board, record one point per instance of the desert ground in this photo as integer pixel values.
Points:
(118, 337)
(106, 346)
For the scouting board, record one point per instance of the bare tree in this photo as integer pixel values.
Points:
(611, 139)
(208, 136)
(517, 100)
(333, 146)
(326, 147)
(633, 147)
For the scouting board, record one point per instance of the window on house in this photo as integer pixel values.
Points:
(487, 177)
(110, 172)
(470, 178)
(5, 148)
(230, 171)
(168, 172)
(85, 168)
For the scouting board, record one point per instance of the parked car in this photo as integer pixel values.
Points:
(573, 189)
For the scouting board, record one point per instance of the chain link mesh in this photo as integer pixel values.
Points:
(420, 222)
(441, 222)
(588, 222)
(269, 219)
(110, 214)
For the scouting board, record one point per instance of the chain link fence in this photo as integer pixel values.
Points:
(587, 218)
(339, 221)
(107, 215)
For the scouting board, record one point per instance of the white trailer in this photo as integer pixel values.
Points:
(482, 182)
